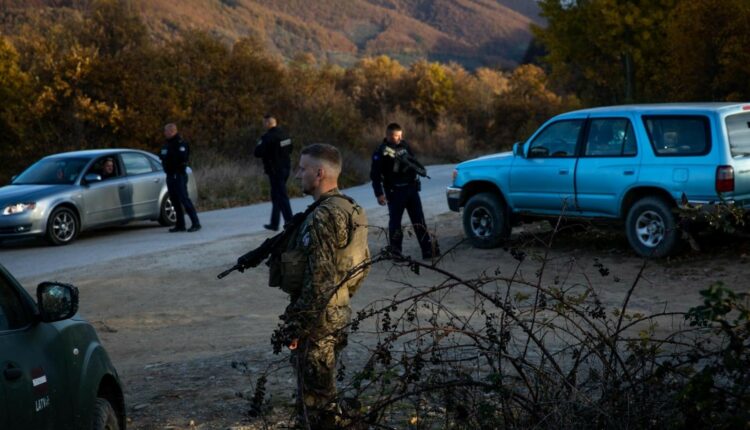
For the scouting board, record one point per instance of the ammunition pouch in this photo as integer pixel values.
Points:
(291, 271)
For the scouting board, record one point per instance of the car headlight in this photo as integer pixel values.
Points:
(18, 208)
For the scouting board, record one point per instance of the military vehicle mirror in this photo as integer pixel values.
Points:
(56, 301)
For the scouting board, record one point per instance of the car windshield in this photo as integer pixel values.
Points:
(49, 171)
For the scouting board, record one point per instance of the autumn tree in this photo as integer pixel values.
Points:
(373, 85)
(708, 56)
(525, 106)
(427, 91)
(606, 51)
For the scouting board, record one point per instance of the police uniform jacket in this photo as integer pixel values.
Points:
(274, 147)
(386, 171)
(175, 155)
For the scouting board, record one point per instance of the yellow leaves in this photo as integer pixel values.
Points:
(97, 112)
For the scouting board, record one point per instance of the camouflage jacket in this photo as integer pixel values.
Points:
(330, 247)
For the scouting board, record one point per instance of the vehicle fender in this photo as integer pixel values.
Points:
(95, 368)
(74, 203)
(639, 191)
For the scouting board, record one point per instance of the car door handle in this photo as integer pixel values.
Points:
(629, 172)
(563, 171)
(157, 180)
(12, 373)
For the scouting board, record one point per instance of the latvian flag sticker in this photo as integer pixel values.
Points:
(39, 381)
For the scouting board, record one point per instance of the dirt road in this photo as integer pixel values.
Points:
(173, 330)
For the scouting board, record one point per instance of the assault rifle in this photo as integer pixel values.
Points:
(254, 257)
(403, 156)
(274, 243)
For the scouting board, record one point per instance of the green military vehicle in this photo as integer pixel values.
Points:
(55, 372)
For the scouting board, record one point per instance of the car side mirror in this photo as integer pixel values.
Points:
(56, 301)
(518, 149)
(92, 177)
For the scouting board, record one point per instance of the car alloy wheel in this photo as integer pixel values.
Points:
(170, 212)
(650, 229)
(62, 226)
(481, 222)
(167, 213)
(485, 221)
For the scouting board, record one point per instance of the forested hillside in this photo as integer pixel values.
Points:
(471, 32)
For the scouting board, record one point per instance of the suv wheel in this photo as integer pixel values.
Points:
(62, 226)
(651, 228)
(167, 214)
(485, 221)
(105, 417)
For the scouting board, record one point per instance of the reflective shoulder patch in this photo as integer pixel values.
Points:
(164, 151)
(285, 142)
(258, 142)
(182, 148)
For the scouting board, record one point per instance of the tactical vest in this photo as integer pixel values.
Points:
(293, 262)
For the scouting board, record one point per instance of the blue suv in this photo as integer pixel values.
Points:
(631, 164)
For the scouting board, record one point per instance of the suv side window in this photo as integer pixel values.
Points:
(678, 135)
(738, 130)
(136, 164)
(610, 137)
(557, 140)
(13, 314)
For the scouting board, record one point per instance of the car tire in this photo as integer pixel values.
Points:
(62, 226)
(105, 417)
(167, 214)
(486, 221)
(651, 228)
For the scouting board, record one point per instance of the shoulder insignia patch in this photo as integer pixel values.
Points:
(306, 239)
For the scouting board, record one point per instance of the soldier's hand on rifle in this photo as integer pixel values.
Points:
(242, 262)
(382, 200)
(293, 344)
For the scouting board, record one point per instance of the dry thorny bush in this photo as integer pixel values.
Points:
(503, 351)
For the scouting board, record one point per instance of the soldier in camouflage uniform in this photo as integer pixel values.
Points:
(322, 268)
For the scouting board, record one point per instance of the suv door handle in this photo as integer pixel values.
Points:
(157, 180)
(12, 373)
(628, 172)
(563, 171)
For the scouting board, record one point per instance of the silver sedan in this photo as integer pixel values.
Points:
(63, 194)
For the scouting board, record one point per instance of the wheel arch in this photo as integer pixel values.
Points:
(110, 390)
(480, 186)
(635, 194)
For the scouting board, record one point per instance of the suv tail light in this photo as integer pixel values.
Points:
(724, 179)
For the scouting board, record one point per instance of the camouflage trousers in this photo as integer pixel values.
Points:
(315, 365)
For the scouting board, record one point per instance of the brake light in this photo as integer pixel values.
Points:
(724, 179)
(746, 107)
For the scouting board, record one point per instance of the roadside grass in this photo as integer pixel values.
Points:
(225, 182)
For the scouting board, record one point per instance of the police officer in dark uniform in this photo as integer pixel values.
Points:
(394, 173)
(274, 148)
(174, 158)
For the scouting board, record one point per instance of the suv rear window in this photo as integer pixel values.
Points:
(678, 135)
(738, 130)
